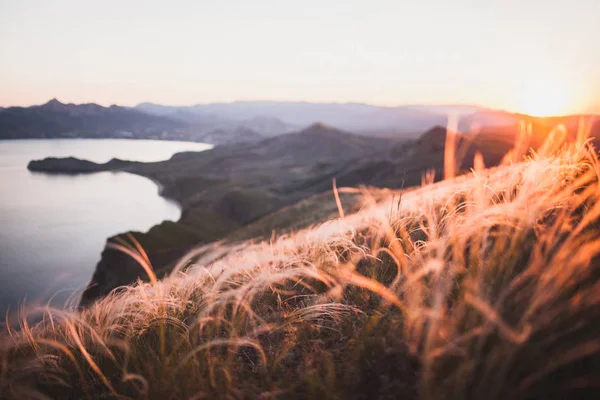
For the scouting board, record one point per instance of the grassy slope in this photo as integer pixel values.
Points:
(486, 286)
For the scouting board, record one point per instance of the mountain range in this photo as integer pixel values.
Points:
(223, 123)
(405, 121)
(57, 120)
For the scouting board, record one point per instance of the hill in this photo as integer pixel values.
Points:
(481, 286)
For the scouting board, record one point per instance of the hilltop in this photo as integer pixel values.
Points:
(484, 285)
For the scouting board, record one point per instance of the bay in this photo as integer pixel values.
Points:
(54, 227)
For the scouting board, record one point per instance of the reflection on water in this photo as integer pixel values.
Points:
(53, 228)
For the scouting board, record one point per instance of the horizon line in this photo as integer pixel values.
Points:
(407, 105)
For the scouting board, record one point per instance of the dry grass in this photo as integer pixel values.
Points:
(482, 286)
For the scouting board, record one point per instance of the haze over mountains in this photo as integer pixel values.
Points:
(407, 121)
(222, 123)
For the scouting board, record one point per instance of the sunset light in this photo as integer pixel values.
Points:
(415, 52)
(297, 200)
(543, 99)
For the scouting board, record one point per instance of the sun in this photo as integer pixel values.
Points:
(543, 99)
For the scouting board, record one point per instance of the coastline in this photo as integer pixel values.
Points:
(149, 237)
(55, 228)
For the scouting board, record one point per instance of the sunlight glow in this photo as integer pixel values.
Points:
(543, 99)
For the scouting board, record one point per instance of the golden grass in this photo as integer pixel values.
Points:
(480, 286)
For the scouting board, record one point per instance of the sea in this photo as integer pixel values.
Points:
(53, 228)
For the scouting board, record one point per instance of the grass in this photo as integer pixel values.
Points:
(486, 285)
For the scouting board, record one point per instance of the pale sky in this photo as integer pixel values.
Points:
(522, 55)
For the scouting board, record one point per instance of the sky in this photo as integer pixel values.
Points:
(530, 55)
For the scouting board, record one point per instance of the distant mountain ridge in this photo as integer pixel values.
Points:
(55, 119)
(406, 122)
(244, 121)
(354, 117)
(58, 120)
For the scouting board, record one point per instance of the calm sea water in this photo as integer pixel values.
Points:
(53, 228)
